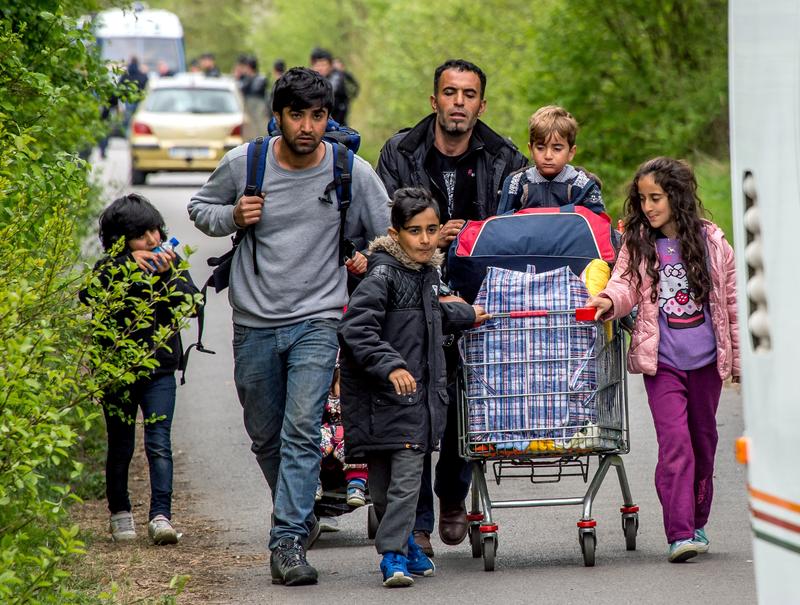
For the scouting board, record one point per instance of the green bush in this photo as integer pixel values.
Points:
(52, 372)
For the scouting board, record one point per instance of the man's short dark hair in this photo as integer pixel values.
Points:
(319, 54)
(458, 65)
(301, 88)
(279, 65)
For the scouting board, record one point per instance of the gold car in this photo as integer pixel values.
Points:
(185, 123)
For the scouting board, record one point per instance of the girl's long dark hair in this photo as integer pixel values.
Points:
(677, 180)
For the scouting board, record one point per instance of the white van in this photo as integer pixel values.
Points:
(150, 35)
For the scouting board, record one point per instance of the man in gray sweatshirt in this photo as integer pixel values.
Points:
(285, 317)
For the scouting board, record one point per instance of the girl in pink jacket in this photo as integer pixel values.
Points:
(679, 270)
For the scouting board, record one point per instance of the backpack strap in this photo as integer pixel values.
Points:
(343, 160)
(256, 167)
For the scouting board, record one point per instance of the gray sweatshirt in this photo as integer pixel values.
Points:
(298, 236)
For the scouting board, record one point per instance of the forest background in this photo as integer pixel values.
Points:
(642, 78)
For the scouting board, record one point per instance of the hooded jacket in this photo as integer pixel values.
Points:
(403, 159)
(643, 352)
(394, 320)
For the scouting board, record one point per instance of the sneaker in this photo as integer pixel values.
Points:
(701, 540)
(288, 564)
(418, 562)
(121, 527)
(355, 493)
(682, 550)
(318, 493)
(161, 531)
(422, 539)
(328, 524)
(313, 534)
(394, 568)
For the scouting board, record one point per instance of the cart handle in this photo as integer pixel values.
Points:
(581, 314)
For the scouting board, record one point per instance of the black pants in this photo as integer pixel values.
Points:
(453, 473)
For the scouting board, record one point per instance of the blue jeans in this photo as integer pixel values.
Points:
(156, 397)
(283, 376)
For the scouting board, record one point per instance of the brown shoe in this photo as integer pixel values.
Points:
(452, 522)
(423, 540)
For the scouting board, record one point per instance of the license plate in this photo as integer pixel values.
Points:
(183, 153)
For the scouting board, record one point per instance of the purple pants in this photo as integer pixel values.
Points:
(684, 407)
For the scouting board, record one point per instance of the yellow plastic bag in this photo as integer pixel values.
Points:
(596, 276)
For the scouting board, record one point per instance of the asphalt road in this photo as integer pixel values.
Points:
(538, 559)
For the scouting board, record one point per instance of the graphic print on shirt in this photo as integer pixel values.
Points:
(675, 298)
(449, 177)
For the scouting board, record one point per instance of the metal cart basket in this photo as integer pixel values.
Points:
(540, 393)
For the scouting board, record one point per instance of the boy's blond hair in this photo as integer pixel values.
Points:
(550, 119)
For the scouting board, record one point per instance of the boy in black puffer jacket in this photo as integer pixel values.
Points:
(393, 375)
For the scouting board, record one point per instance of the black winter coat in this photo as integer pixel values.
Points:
(394, 320)
(170, 357)
(404, 156)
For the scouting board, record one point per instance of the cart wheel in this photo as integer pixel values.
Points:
(588, 543)
(630, 526)
(489, 547)
(372, 522)
(475, 540)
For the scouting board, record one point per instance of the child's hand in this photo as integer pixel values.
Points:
(480, 314)
(357, 265)
(403, 381)
(146, 259)
(601, 303)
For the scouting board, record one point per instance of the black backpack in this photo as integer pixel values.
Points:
(345, 142)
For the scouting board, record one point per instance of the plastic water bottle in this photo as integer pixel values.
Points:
(167, 246)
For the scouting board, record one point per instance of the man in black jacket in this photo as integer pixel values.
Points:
(463, 163)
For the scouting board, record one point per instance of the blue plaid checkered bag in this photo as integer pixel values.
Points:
(528, 378)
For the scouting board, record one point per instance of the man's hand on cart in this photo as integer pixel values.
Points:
(403, 381)
(481, 315)
(603, 304)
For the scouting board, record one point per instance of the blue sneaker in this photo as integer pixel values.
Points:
(701, 540)
(356, 493)
(682, 550)
(418, 562)
(394, 568)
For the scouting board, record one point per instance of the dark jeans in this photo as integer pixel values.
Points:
(283, 376)
(156, 397)
(453, 473)
(394, 488)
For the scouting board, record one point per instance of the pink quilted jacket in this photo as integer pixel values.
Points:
(643, 353)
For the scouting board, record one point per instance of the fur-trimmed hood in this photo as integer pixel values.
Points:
(385, 243)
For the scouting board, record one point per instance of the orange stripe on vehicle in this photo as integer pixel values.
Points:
(775, 500)
(775, 520)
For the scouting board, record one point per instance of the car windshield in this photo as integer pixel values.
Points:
(191, 100)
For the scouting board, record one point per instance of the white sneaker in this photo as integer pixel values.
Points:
(328, 524)
(318, 493)
(161, 531)
(121, 527)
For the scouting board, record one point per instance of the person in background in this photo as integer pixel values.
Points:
(322, 63)
(463, 163)
(679, 270)
(208, 65)
(253, 87)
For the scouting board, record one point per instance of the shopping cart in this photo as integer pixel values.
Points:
(540, 393)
